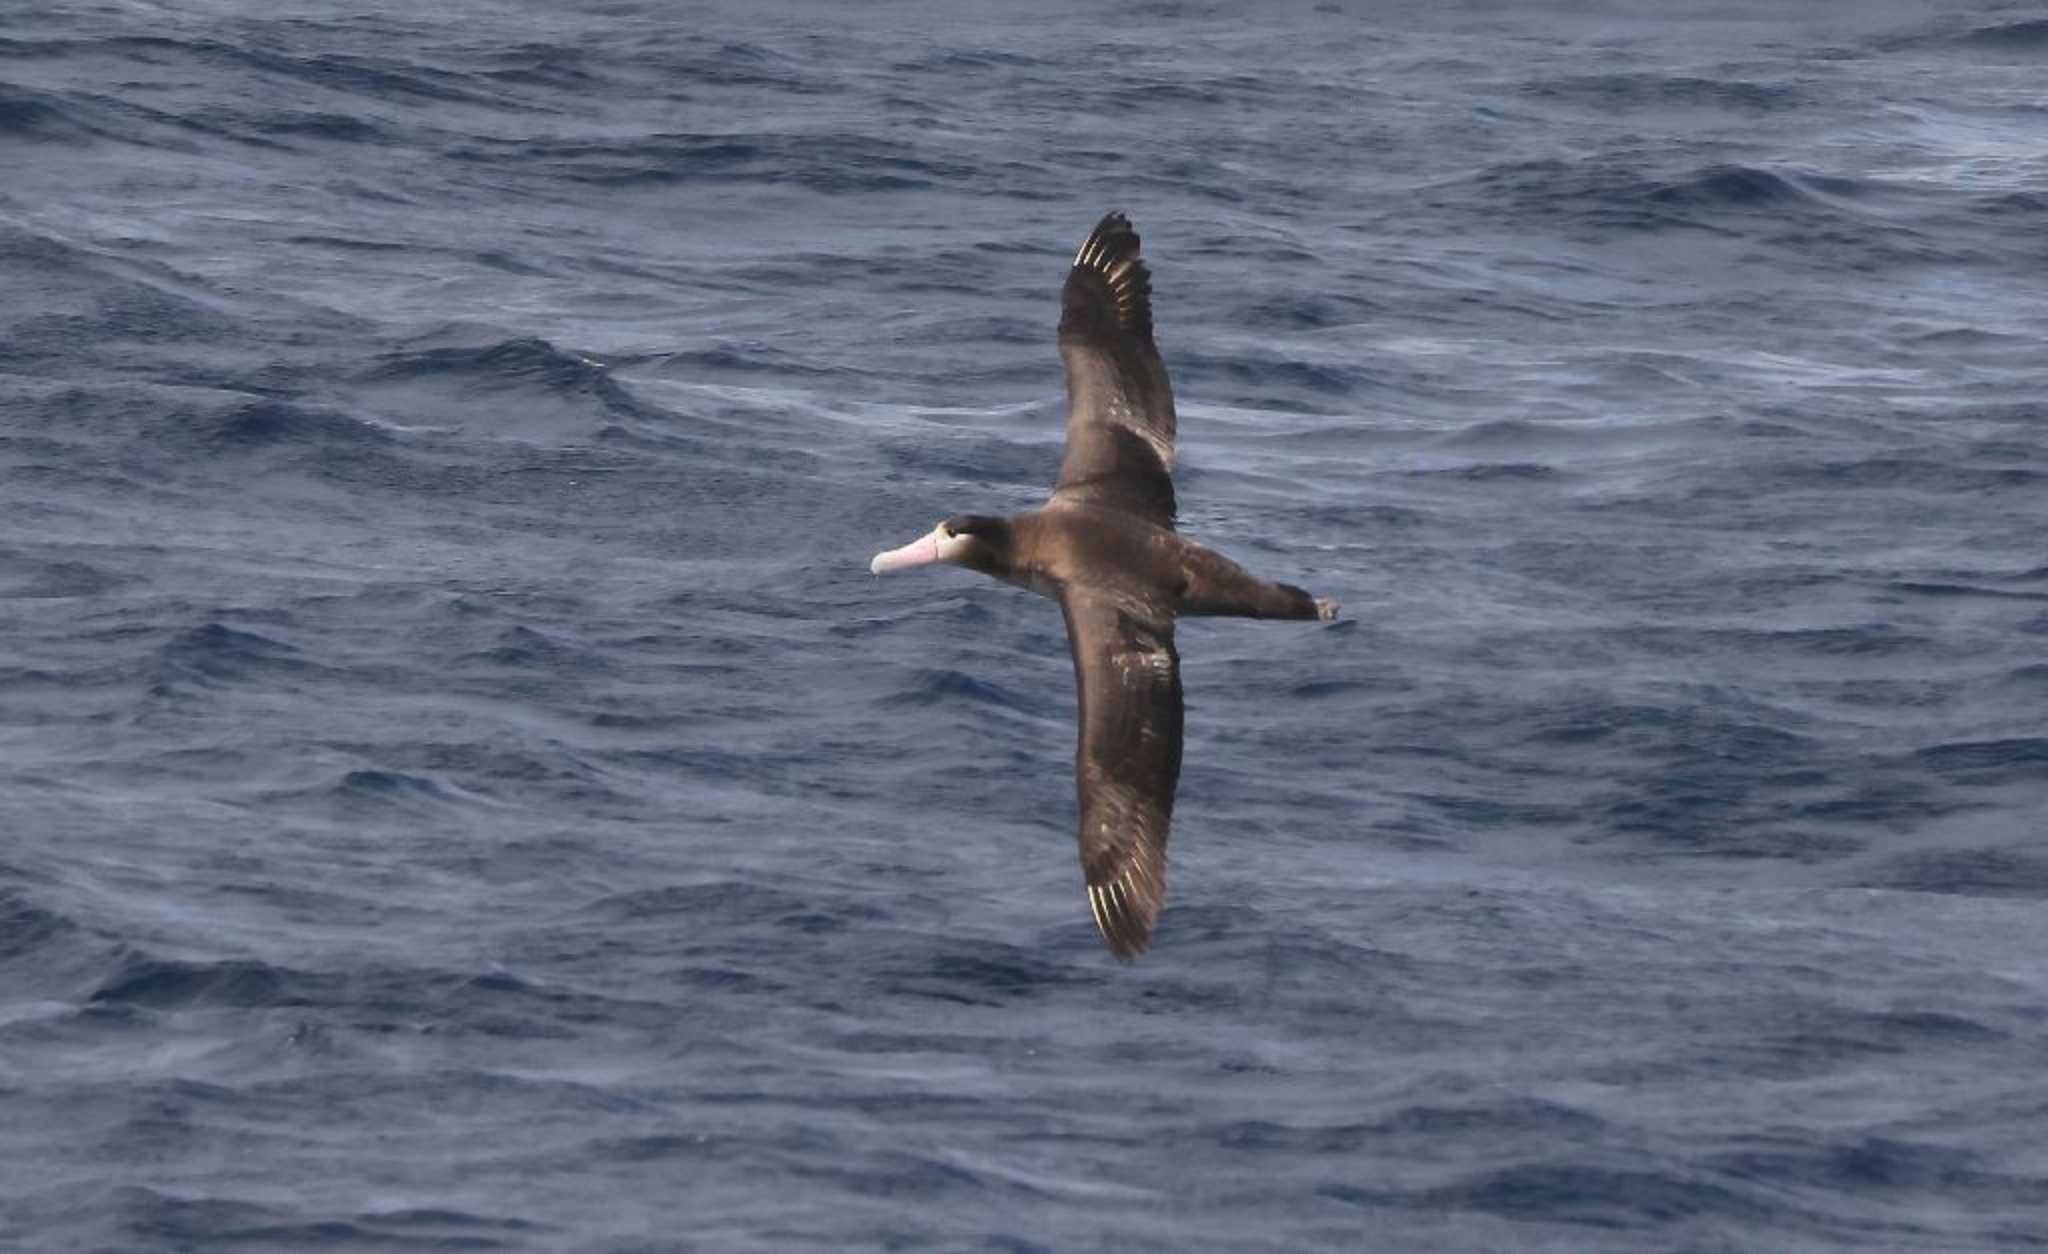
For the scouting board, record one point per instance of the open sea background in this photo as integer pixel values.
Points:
(460, 787)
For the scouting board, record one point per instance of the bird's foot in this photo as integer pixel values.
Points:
(1326, 609)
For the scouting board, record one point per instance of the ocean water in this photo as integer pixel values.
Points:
(460, 787)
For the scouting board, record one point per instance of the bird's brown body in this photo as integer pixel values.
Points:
(1067, 545)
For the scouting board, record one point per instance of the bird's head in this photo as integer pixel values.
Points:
(976, 541)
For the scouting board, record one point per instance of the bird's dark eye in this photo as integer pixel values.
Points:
(950, 533)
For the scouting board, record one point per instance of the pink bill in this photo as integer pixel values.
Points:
(919, 552)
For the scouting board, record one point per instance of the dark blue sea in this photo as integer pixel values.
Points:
(460, 787)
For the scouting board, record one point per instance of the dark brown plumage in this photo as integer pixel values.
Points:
(1105, 547)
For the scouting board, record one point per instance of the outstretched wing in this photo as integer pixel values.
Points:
(1120, 426)
(1127, 763)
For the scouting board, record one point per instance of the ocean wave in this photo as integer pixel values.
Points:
(2015, 757)
(970, 60)
(1589, 1195)
(1268, 372)
(728, 900)
(556, 66)
(514, 386)
(1490, 472)
(1674, 731)
(26, 927)
(1992, 871)
(216, 654)
(833, 163)
(2021, 37)
(35, 115)
(1807, 208)
(950, 456)
(56, 580)
(185, 1220)
(1625, 91)
(948, 687)
(1893, 1168)
(388, 785)
(1931, 472)
(345, 128)
(1745, 186)
(122, 308)
(998, 975)
(683, 67)
(741, 358)
(524, 361)
(162, 983)
(523, 647)
(1500, 1120)
(265, 424)
(365, 999)
(374, 77)
(1875, 638)
(1930, 588)
(1231, 91)
(1309, 311)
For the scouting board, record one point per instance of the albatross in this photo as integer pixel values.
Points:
(1105, 547)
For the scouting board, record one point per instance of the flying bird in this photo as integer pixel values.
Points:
(1104, 547)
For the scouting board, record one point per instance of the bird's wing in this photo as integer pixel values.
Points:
(1120, 425)
(1127, 763)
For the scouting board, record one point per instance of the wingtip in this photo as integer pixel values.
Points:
(1125, 912)
(1112, 255)
(1112, 240)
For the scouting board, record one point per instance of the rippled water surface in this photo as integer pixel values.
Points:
(461, 788)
